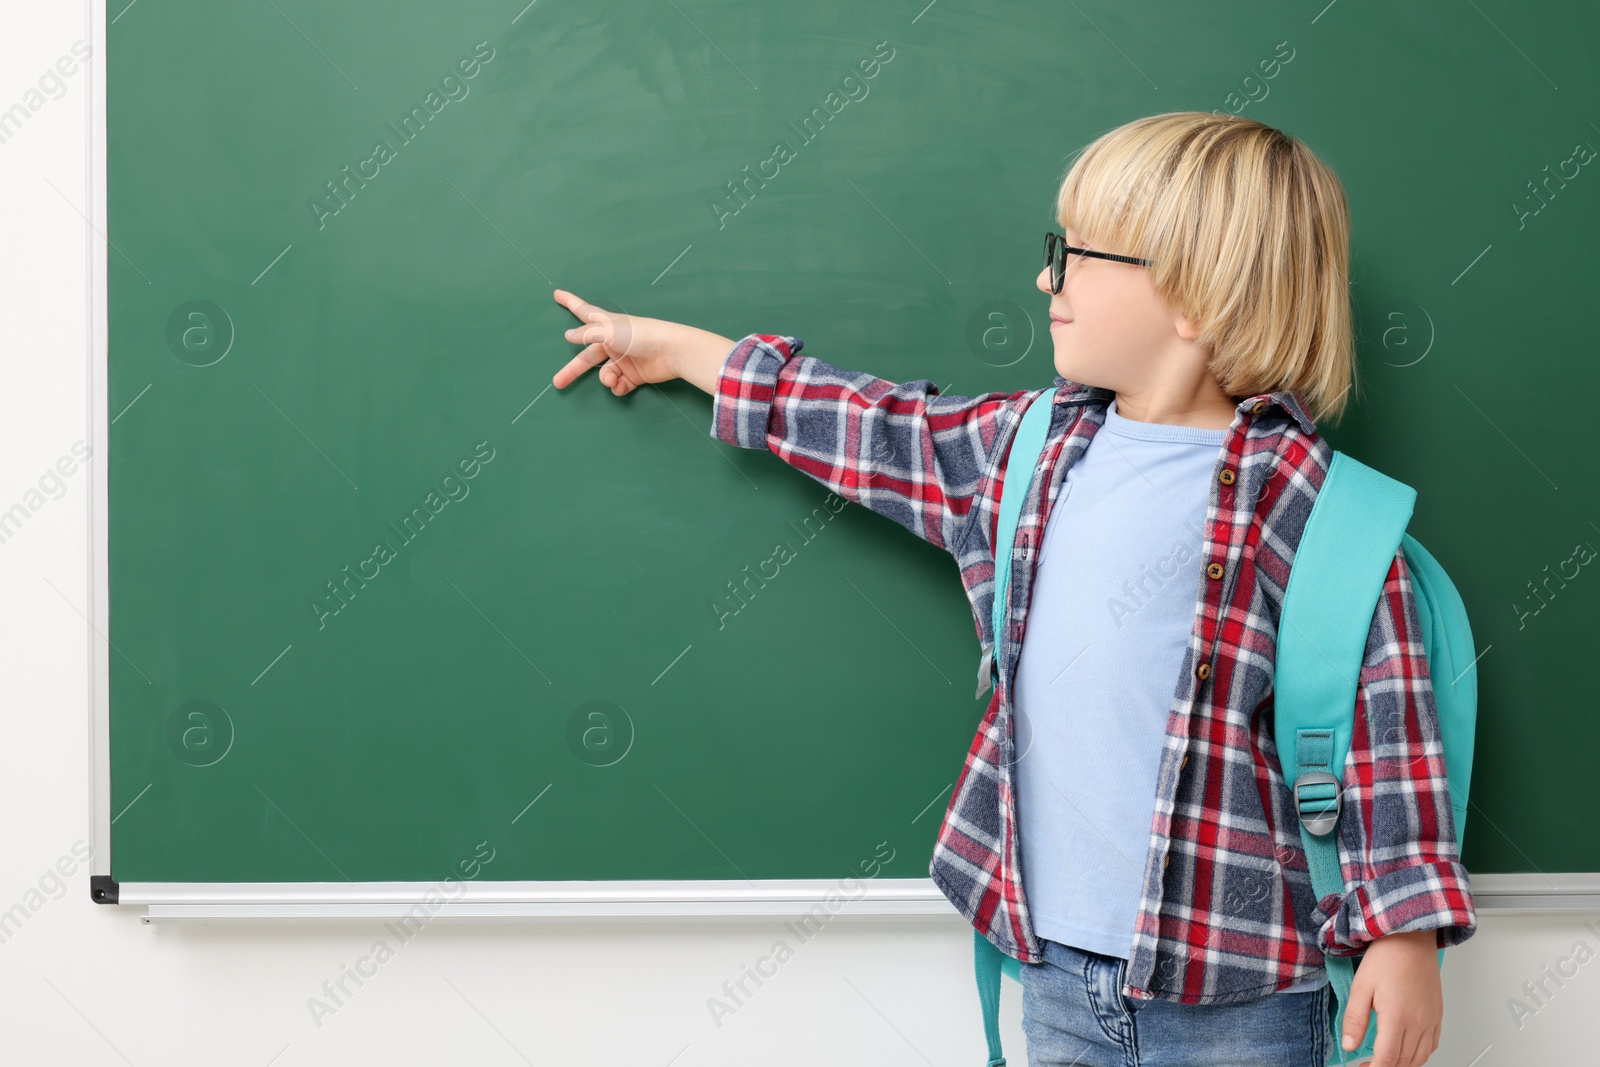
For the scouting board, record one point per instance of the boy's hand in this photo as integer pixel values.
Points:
(634, 350)
(1399, 978)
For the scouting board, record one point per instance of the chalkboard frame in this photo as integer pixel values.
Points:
(503, 901)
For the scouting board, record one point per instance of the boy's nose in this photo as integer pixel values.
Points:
(1043, 281)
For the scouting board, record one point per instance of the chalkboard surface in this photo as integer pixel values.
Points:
(379, 595)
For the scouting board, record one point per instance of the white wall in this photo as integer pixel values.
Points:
(86, 984)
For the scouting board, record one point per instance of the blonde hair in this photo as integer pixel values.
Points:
(1248, 236)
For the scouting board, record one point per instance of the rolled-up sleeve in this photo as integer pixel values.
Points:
(903, 451)
(741, 405)
(1397, 839)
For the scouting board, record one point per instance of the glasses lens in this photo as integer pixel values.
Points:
(1055, 255)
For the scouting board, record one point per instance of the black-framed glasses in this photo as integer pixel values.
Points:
(1056, 251)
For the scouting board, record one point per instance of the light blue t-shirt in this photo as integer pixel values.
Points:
(1112, 606)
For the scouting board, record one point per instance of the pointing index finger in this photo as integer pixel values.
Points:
(578, 306)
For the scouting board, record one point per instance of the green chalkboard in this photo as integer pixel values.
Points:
(378, 594)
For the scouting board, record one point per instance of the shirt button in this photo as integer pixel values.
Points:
(1183, 762)
(1203, 671)
(1258, 407)
(1226, 477)
(1214, 570)
(1166, 860)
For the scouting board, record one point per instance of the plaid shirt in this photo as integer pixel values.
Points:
(1227, 911)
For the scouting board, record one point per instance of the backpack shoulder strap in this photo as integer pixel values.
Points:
(1344, 554)
(1027, 443)
(990, 962)
(1350, 538)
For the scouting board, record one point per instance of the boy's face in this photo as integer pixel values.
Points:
(1107, 324)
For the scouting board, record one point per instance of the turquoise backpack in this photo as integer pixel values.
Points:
(1356, 523)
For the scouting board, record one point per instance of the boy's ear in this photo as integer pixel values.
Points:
(1185, 328)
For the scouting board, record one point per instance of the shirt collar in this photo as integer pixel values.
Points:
(1287, 399)
(1077, 392)
(1069, 392)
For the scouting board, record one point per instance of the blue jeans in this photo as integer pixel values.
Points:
(1074, 1015)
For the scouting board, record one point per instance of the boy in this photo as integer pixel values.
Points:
(1203, 321)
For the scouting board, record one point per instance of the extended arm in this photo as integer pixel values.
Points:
(903, 451)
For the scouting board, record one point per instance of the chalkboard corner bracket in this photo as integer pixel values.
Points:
(102, 889)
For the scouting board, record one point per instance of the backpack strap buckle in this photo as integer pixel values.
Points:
(1317, 793)
(1318, 800)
